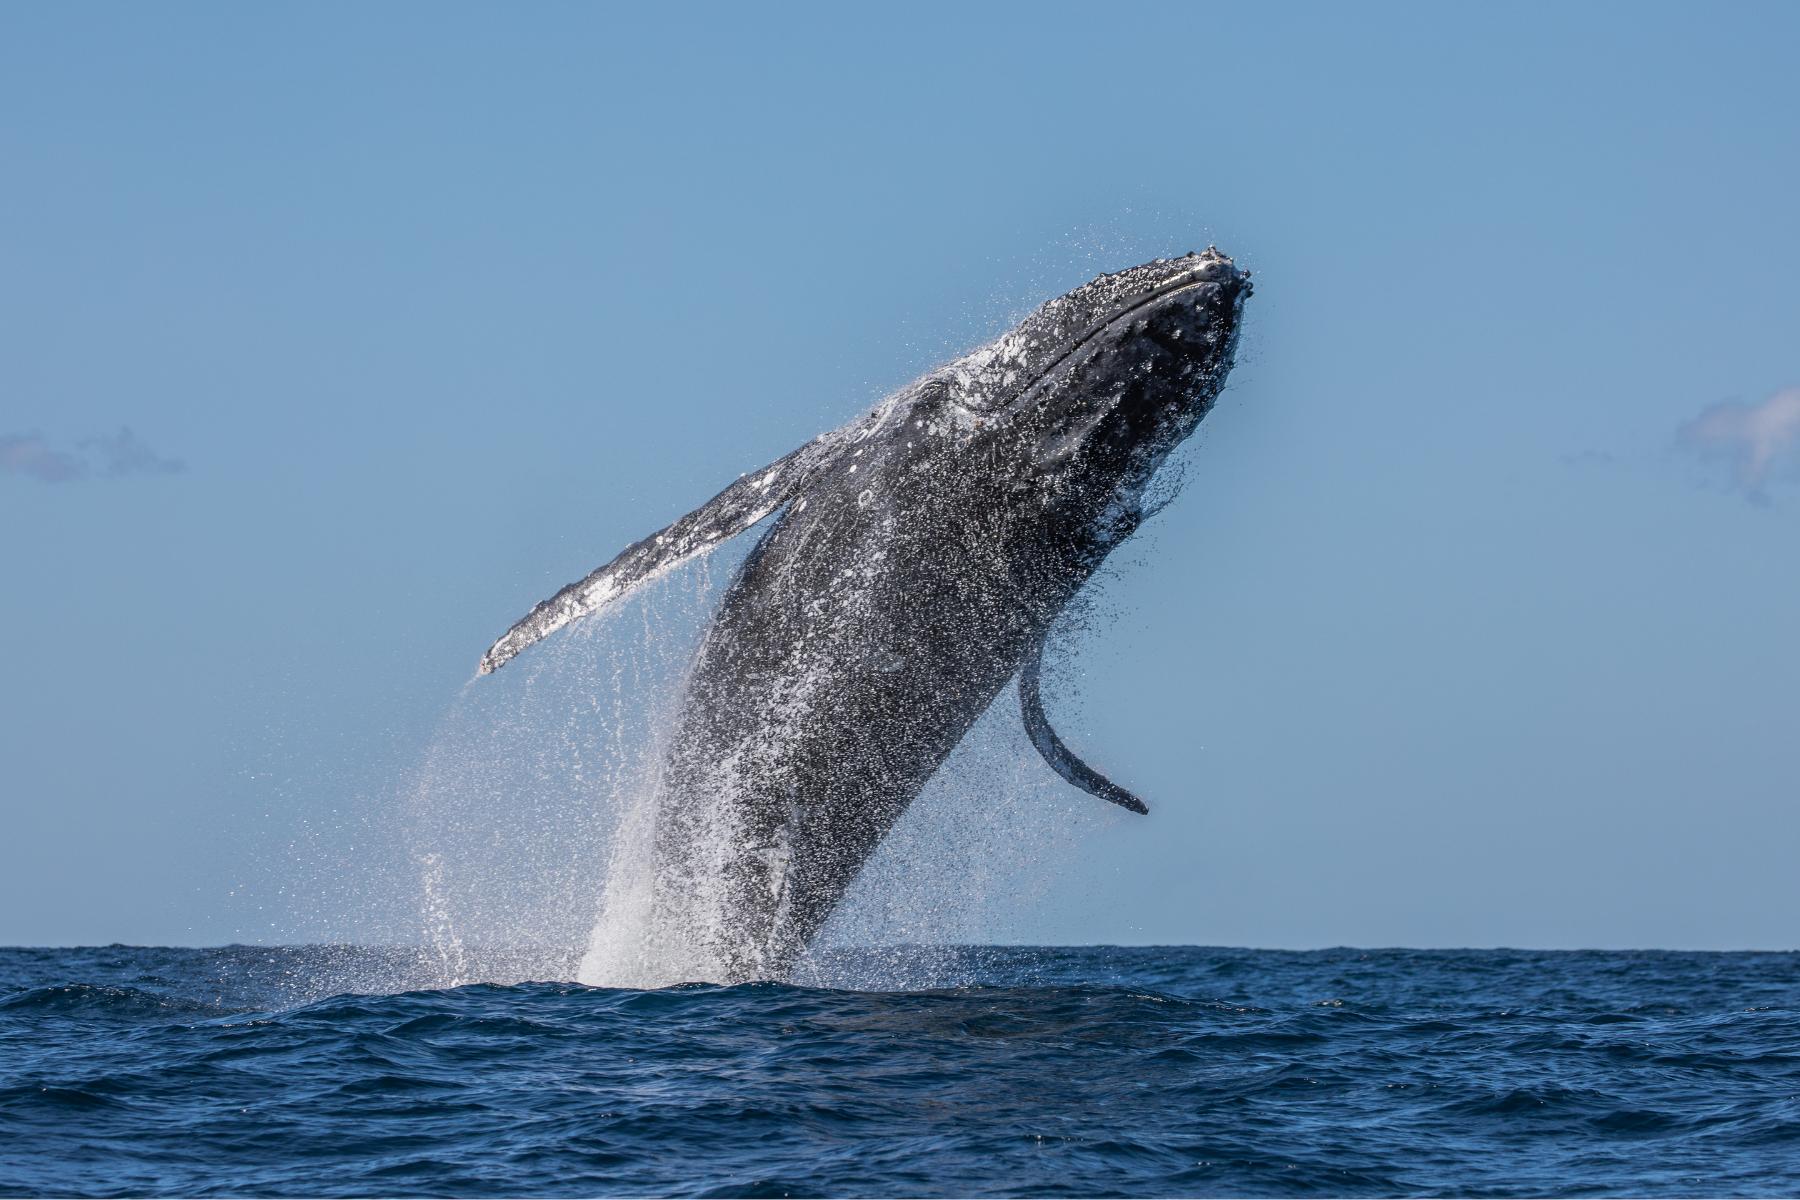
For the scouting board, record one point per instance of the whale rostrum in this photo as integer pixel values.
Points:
(918, 558)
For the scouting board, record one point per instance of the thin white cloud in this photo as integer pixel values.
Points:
(30, 456)
(1758, 441)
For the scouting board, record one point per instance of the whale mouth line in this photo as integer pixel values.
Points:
(1182, 283)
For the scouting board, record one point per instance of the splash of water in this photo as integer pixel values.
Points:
(531, 826)
(519, 816)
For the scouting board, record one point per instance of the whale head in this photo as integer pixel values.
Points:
(1112, 375)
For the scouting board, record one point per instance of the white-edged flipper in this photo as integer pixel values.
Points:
(743, 504)
(1062, 760)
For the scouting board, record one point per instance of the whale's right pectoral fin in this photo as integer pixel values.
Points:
(1062, 760)
(743, 504)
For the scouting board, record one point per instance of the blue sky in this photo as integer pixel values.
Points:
(332, 338)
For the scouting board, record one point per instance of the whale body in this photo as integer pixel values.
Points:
(920, 556)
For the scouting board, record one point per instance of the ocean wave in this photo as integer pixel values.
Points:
(98, 1000)
(1063, 1072)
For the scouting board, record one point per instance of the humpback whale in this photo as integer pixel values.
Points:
(921, 554)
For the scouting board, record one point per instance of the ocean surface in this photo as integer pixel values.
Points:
(1016, 1071)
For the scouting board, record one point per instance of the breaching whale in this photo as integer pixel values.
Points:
(921, 554)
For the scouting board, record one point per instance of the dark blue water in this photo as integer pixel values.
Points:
(1062, 1072)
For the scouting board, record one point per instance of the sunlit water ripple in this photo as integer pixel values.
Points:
(1173, 1070)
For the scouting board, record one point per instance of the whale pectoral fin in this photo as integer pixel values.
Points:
(1062, 760)
(743, 504)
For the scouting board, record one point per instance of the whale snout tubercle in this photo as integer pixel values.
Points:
(1212, 265)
